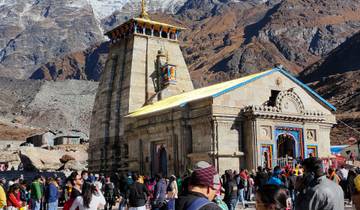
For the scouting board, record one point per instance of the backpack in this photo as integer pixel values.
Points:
(68, 204)
(198, 204)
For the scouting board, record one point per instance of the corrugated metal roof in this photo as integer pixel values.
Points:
(217, 90)
(182, 99)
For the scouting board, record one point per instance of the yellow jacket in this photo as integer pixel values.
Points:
(2, 197)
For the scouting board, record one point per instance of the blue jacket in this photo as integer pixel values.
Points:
(53, 193)
(275, 181)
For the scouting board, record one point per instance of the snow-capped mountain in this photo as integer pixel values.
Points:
(32, 32)
(104, 8)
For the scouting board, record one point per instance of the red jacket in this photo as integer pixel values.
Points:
(13, 201)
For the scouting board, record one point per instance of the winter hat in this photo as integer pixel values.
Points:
(205, 174)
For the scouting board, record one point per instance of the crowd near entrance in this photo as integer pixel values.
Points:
(286, 146)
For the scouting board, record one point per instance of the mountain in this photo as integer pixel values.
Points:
(337, 78)
(60, 40)
(227, 39)
(35, 32)
(62, 105)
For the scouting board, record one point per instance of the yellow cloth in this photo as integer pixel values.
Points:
(357, 183)
(2, 197)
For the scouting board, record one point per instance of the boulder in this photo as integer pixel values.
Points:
(35, 159)
(74, 165)
(39, 159)
(65, 158)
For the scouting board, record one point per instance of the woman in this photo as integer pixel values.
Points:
(13, 200)
(90, 199)
(172, 192)
(273, 197)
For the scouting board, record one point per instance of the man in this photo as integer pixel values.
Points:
(36, 193)
(109, 193)
(260, 178)
(136, 194)
(231, 192)
(76, 182)
(52, 194)
(159, 193)
(204, 183)
(316, 191)
(275, 179)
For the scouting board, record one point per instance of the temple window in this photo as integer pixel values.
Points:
(163, 34)
(168, 74)
(156, 33)
(148, 31)
(272, 99)
(172, 36)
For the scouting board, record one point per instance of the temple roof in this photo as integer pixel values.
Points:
(218, 90)
(147, 23)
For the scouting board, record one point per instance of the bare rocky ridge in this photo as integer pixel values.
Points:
(225, 39)
(337, 78)
(62, 105)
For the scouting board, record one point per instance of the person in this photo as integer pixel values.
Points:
(24, 193)
(137, 194)
(250, 189)
(291, 186)
(36, 193)
(242, 186)
(272, 197)
(172, 192)
(316, 192)
(202, 190)
(355, 197)
(123, 188)
(76, 182)
(159, 200)
(75, 187)
(91, 198)
(350, 188)
(109, 193)
(333, 176)
(275, 178)
(231, 192)
(2, 194)
(85, 176)
(13, 200)
(260, 178)
(52, 194)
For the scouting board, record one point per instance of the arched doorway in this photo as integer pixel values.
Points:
(286, 146)
(159, 159)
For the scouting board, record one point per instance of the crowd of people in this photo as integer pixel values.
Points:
(304, 187)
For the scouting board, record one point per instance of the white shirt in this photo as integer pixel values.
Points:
(96, 201)
(344, 172)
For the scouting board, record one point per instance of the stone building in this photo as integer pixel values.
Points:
(148, 118)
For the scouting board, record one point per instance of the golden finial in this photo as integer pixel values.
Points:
(144, 14)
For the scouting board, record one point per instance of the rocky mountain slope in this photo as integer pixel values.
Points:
(337, 78)
(45, 105)
(225, 39)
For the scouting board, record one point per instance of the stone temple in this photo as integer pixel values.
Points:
(149, 118)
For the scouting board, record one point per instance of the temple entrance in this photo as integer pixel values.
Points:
(286, 146)
(159, 159)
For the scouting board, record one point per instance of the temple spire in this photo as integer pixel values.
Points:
(144, 14)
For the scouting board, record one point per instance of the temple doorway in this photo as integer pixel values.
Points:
(159, 159)
(286, 146)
